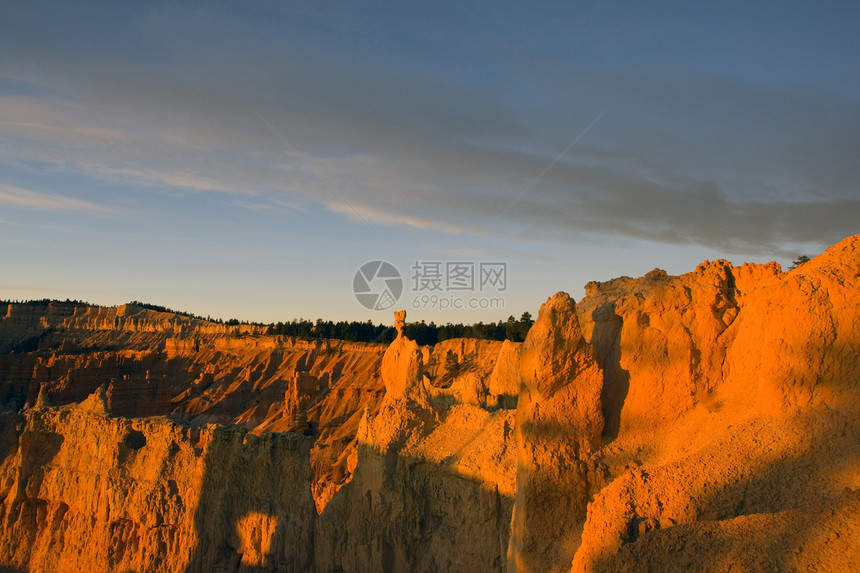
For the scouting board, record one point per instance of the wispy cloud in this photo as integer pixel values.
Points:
(272, 207)
(387, 216)
(43, 200)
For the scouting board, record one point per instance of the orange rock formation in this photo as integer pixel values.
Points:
(704, 422)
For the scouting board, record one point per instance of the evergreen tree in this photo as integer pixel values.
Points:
(802, 259)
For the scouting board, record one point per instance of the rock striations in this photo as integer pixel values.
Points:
(702, 422)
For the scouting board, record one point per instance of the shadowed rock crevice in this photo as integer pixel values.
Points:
(606, 339)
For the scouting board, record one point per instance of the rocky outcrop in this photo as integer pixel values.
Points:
(426, 478)
(503, 384)
(732, 404)
(558, 427)
(459, 371)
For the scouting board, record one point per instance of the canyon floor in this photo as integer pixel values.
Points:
(702, 422)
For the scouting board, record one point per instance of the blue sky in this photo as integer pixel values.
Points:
(245, 159)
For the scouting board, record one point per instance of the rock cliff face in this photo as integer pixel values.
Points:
(703, 422)
(731, 403)
(83, 491)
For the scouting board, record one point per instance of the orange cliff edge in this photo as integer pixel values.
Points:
(704, 422)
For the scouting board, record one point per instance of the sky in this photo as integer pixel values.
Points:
(246, 159)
